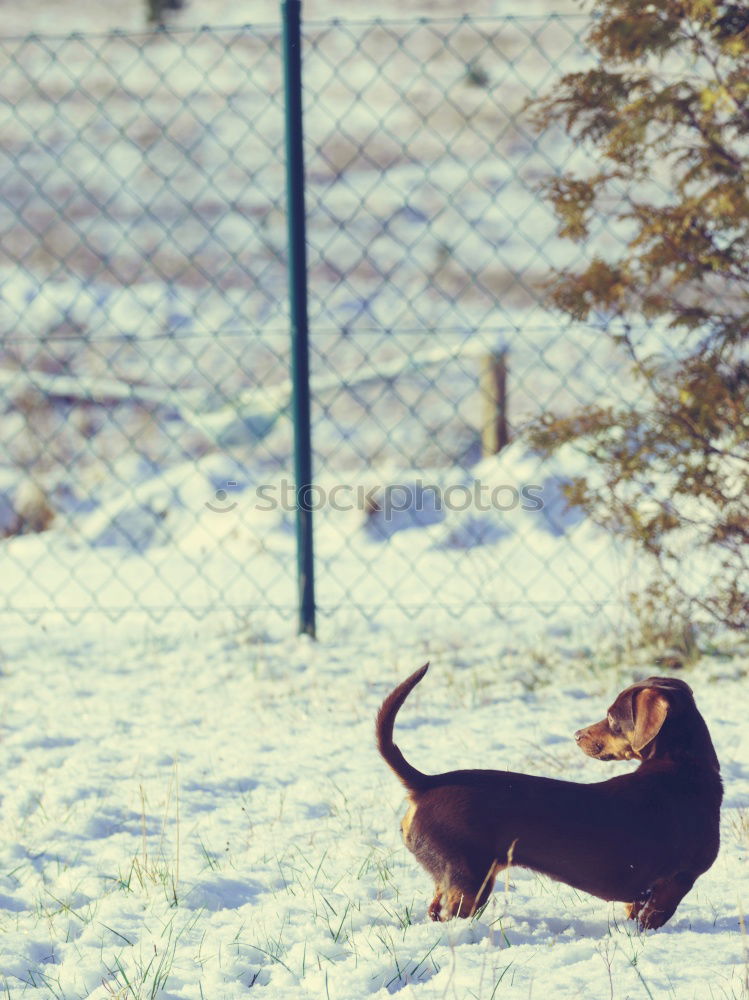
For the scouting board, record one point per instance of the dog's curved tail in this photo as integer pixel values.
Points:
(413, 779)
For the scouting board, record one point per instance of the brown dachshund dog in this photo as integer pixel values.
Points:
(642, 837)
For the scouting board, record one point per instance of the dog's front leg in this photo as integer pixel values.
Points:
(658, 903)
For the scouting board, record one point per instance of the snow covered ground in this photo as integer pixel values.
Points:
(196, 815)
(63, 16)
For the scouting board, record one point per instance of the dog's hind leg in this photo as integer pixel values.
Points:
(464, 890)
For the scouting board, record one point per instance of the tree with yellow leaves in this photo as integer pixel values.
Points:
(660, 204)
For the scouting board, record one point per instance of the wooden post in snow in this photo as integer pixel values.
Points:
(495, 434)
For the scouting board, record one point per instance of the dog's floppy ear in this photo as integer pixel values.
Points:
(624, 710)
(650, 711)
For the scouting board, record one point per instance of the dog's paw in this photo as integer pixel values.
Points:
(645, 911)
(650, 919)
(638, 909)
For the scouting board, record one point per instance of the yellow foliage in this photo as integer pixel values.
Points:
(705, 11)
(677, 198)
(716, 98)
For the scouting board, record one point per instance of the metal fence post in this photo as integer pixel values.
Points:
(291, 12)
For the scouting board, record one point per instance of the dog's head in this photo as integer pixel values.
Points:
(634, 720)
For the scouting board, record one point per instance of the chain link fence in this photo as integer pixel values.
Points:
(145, 352)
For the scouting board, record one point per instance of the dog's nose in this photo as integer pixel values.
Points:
(578, 735)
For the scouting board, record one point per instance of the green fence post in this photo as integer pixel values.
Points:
(291, 13)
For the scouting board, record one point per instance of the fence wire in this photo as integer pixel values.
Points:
(145, 347)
